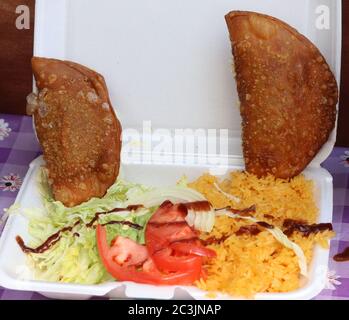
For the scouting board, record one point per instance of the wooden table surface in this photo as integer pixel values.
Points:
(17, 47)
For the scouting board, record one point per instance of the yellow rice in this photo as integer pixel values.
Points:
(246, 264)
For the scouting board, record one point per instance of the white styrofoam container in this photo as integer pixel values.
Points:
(168, 62)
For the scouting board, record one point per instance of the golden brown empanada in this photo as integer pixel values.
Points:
(77, 129)
(287, 91)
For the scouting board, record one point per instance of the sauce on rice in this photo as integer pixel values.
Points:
(251, 262)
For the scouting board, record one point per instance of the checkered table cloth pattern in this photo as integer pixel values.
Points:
(18, 147)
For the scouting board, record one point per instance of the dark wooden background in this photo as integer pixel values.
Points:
(343, 120)
(16, 47)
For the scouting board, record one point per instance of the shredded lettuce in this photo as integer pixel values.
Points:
(140, 217)
(227, 195)
(74, 258)
(71, 259)
(183, 181)
(60, 215)
(156, 196)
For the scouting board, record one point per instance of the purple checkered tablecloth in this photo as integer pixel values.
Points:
(18, 147)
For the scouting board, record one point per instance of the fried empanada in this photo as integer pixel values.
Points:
(77, 129)
(287, 91)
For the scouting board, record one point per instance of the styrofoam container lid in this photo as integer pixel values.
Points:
(170, 61)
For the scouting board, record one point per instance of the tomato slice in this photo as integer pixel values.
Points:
(149, 274)
(167, 226)
(127, 252)
(166, 261)
(159, 237)
(193, 249)
(169, 213)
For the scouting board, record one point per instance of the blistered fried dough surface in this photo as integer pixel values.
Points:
(287, 91)
(77, 128)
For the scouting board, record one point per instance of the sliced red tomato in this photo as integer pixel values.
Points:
(166, 260)
(127, 252)
(172, 243)
(169, 213)
(159, 237)
(204, 273)
(193, 248)
(149, 273)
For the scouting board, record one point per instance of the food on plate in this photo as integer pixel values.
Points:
(250, 259)
(139, 265)
(77, 129)
(172, 253)
(240, 236)
(287, 91)
(253, 232)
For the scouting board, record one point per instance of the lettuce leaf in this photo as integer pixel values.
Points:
(74, 258)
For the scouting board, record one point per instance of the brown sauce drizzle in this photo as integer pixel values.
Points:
(124, 223)
(290, 222)
(247, 212)
(50, 241)
(214, 240)
(198, 206)
(342, 257)
(292, 226)
(134, 207)
(252, 230)
(98, 214)
(182, 209)
(54, 238)
(265, 225)
(95, 218)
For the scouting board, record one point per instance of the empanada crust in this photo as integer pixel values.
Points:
(78, 130)
(287, 91)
